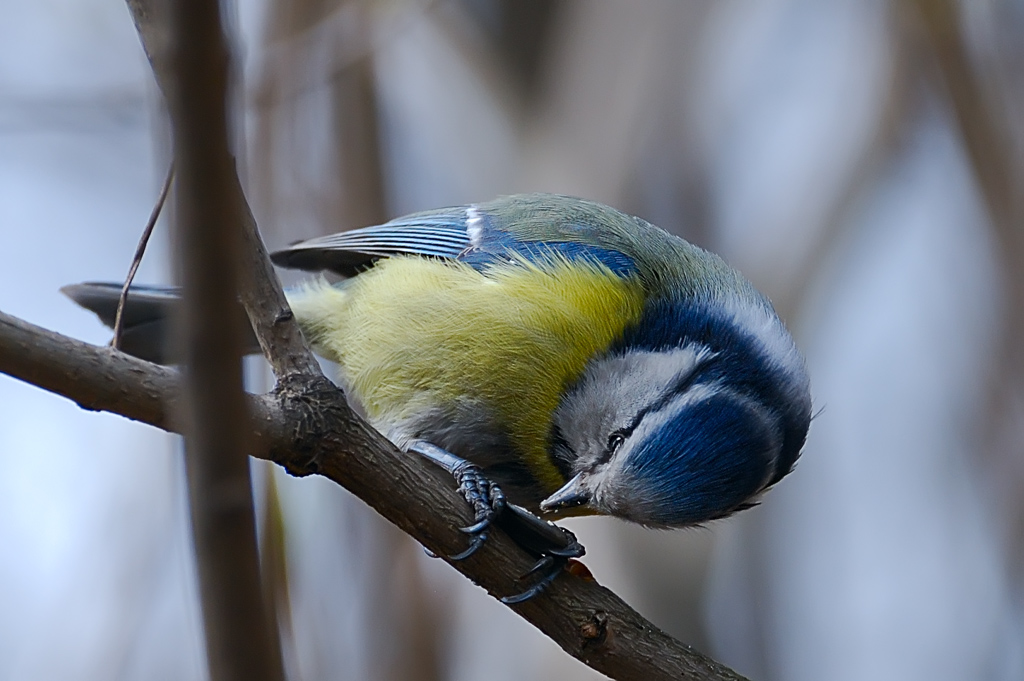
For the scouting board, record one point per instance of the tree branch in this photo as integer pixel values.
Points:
(97, 378)
(310, 431)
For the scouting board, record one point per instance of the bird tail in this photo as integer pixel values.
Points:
(148, 315)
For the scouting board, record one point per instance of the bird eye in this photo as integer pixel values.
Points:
(615, 441)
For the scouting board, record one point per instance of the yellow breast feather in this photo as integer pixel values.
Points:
(413, 333)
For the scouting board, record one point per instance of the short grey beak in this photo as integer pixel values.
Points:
(570, 495)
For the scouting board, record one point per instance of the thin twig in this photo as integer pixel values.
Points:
(140, 250)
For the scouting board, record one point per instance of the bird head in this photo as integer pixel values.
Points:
(691, 417)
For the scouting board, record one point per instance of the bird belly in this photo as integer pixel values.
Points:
(474, 361)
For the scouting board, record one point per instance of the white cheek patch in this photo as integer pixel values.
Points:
(615, 389)
(623, 387)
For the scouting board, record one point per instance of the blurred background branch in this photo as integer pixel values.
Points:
(859, 161)
(242, 640)
(985, 118)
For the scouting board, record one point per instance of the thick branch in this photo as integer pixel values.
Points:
(310, 431)
(98, 378)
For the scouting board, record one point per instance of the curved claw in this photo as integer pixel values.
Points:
(477, 527)
(474, 545)
(540, 537)
(544, 562)
(557, 564)
(573, 551)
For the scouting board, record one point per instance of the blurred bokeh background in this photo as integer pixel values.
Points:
(859, 160)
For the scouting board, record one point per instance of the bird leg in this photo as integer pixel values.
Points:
(486, 499)
(552, 545)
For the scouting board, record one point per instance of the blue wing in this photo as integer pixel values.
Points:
(533, 227)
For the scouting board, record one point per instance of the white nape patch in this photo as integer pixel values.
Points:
(765, 326)
(473, 228)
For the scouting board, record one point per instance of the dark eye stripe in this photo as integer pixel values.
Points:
(681, 384)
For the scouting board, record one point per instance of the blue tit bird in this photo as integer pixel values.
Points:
(579, 359)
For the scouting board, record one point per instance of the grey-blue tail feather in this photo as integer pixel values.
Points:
(148, 315)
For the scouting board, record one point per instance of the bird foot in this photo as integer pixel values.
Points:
(483, 496)
(486, 499)
(552, 545)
